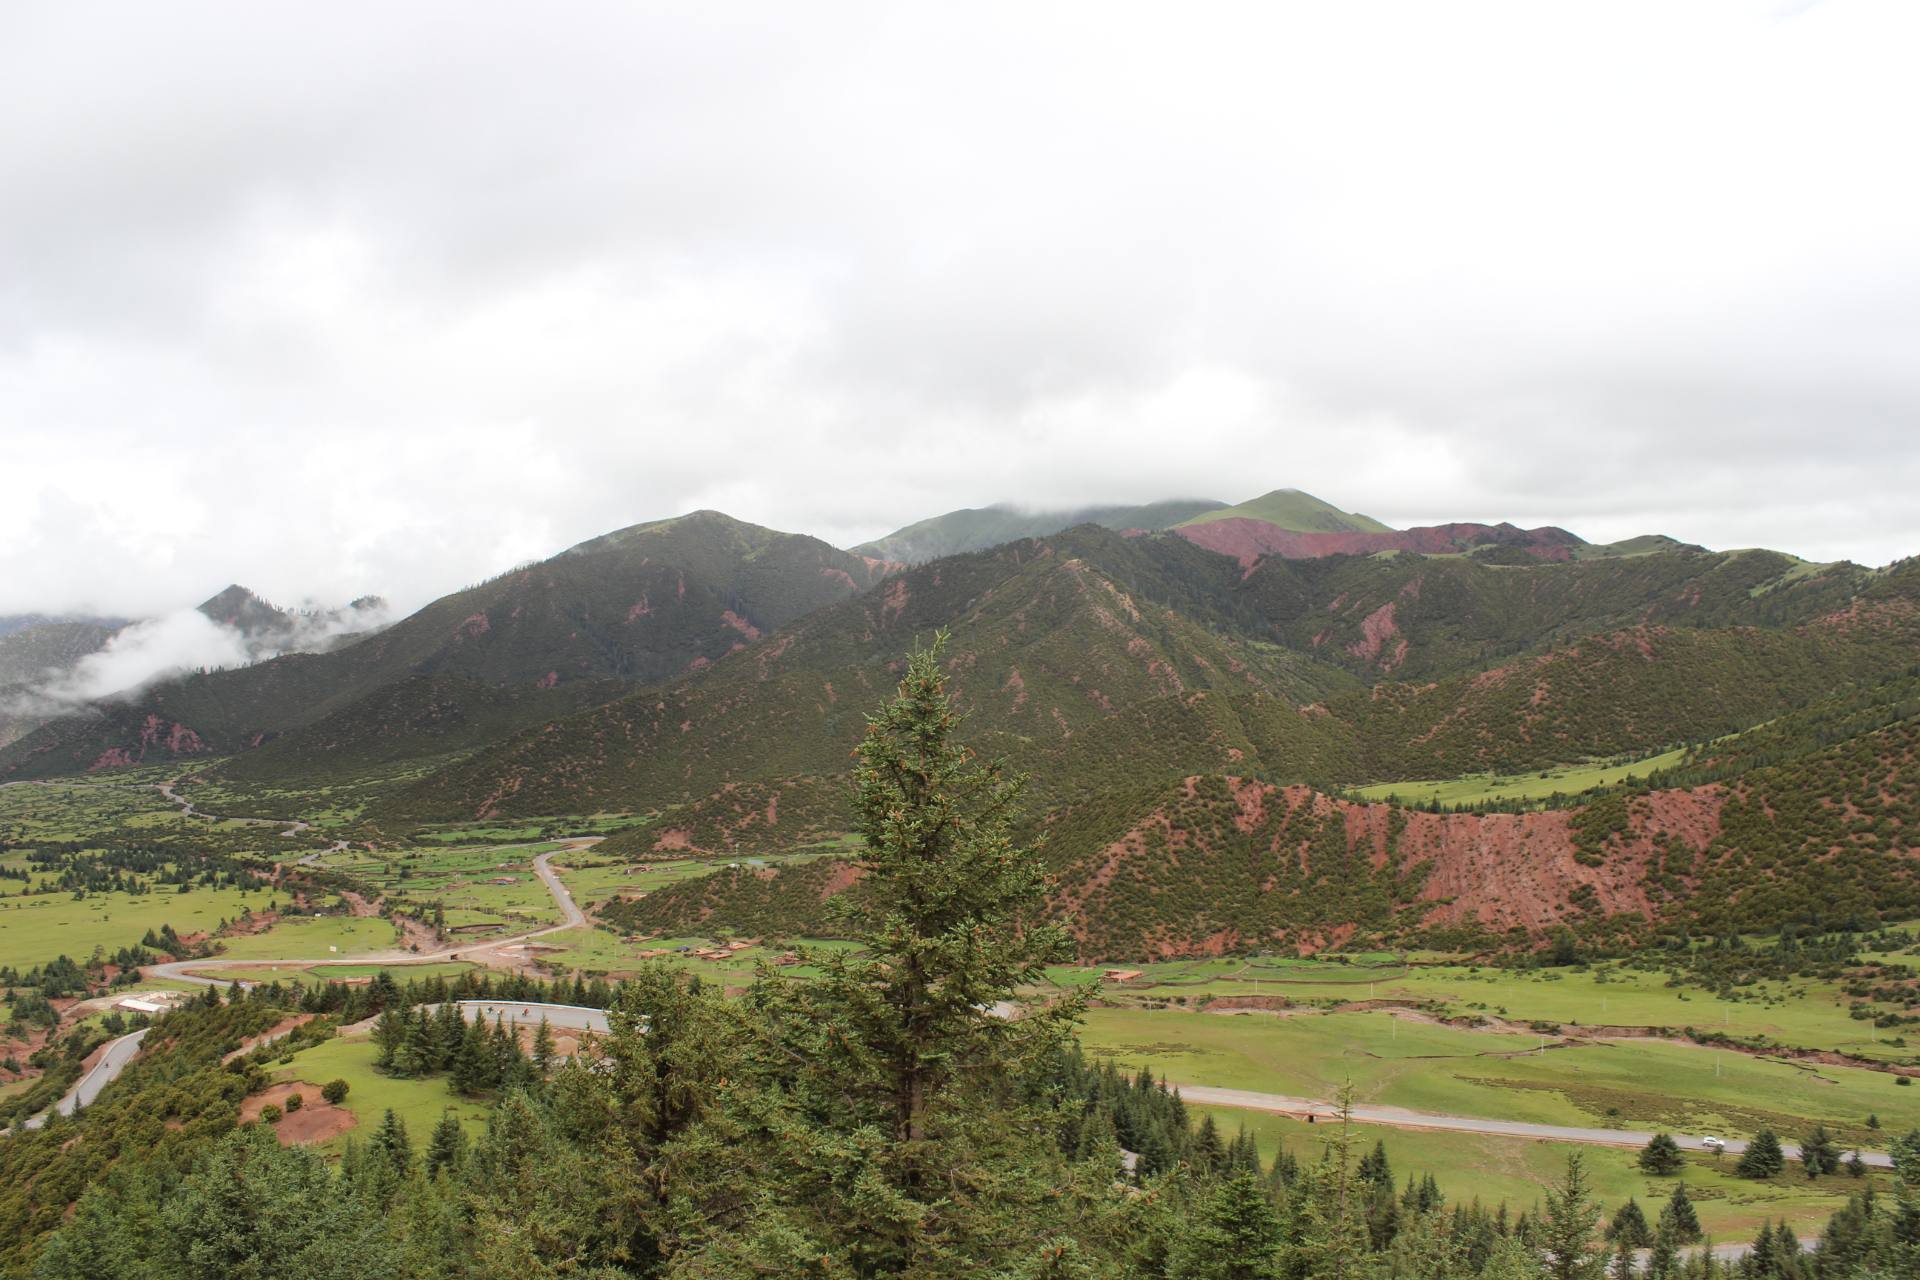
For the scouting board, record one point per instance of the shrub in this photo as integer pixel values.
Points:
(295, 1102)
(334, 1091)
(270, 1113)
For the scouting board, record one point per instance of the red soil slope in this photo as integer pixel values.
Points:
(1249, 540)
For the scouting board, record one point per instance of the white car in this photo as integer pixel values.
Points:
(1712, 1143)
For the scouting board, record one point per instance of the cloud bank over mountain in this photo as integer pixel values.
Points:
(1621, 268)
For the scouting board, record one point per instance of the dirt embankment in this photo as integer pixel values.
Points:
(1498, 870)
(316, 1121)
(1248, 540)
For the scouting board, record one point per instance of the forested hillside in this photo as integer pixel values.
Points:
(1221, 863)
(633, 607)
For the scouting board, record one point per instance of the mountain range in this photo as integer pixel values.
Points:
(50, 663)
(1193, 688)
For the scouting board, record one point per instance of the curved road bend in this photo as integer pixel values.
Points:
(120, 1052)
(1402, 1118)
(561, 1017)
(104, 1072)
(572, 917)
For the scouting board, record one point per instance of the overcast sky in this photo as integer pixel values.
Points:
(343, 298)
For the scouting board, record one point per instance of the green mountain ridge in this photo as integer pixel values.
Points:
(981, 528)
(1294, 510)
(635, 607)
(1090, 654)
(1821, 835)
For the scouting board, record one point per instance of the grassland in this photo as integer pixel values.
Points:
(36, 928)
(418, 1103)
(330, 806)
(1800, 1012)
(1640, 1084)
(314, 938)
(1566, 781)
(490, 887)
(1515, 1170)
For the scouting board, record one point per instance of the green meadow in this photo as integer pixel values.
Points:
(36, 928)
(1801, 1012)
(1569, 780)
(486, 886)
(1635, 1084)
(1517, 1170)
(370, 1095)
(330, 972)
(313, 938)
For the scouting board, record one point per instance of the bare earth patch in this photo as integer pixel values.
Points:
(316, 1121)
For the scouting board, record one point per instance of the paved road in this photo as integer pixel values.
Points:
(1402, 1118)
(104, 1072)
(562, 896)
(561, 1017)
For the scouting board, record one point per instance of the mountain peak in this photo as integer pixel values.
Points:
(1296, 511)
(241, 608)
(977, 528)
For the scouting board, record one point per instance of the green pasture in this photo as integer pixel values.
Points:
(418, 1103)
(462, 880)
(398, 972)
(1567, 780)
(335, 804)
(496, 832)
(1638, 1084)
(37, 928)
(1517, 1171)
(81, 811)
(314, 938)
(1800, 1012)
(594, 879)
(253, 973)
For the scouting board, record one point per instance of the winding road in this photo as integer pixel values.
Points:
(112, 1062)
(572, 917)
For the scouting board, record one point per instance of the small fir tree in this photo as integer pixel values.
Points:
(1661, 1156)
(1763, 1157)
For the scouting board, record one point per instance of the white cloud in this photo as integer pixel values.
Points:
(353, 299)
(182, 641)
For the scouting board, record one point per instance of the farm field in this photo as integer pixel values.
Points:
(596, 824)
(1569, 780)
(1636, 1084)
(593, 879)
(1516, 1170)
(37, 928)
